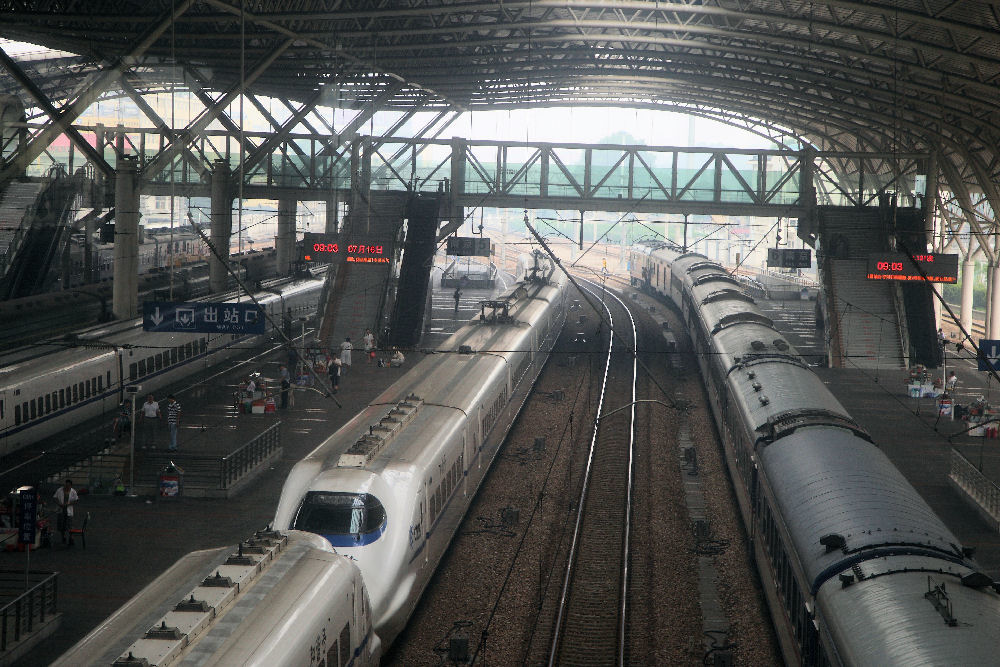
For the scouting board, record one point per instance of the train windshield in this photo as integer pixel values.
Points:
(352, 515)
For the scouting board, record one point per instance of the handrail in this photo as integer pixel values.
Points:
(20, 615)
(980, 488)
(235, 465)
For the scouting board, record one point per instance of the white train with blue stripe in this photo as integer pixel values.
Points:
(390, 488)
(857, 568)
(54, 385)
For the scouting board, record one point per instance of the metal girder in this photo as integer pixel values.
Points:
(254, 157)
(42, 101)
(208, 115)
(99, 82)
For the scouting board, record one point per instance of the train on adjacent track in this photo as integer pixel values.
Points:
(856, 567)
(53, 385)
(390, 488)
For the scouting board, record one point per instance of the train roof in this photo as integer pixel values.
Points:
(867, 616)
(829, 482)
(252, 599)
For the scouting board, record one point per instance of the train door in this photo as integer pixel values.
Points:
(3, 409)
(423, 527)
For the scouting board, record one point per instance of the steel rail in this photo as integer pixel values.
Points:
(575, 547)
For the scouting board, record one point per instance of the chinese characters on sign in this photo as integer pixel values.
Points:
(195, 317)
(928, 267)
(789, 258)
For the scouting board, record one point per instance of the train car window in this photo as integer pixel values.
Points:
(203, 344)
(330, 513)
(2, 416)
(86, 388)
(149, 364)
(159, 361)
(17, 415)
(142, 367)
(48, 403)
(173, 355)
(34, 413)
(100, 383)
(76, 396)
(108, 376)
(345, 644)
(62, 398)
(189, 350)
(133, 369)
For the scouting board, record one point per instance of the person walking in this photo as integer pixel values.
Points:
(66, 497)
(458, 295)
(286, 384)
(149, 416)
(345, 354)
(173, 419)
(369, 341)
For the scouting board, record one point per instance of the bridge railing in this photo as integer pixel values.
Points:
(976, 487)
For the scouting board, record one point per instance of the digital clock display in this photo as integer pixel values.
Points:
(927, 267)
(330, 248)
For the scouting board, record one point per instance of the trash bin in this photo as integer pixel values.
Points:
(171, 481)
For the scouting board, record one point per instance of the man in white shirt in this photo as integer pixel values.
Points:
(65, 497)
(150, 414)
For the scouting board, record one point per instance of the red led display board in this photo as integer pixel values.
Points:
(933, 267)
(329, 248)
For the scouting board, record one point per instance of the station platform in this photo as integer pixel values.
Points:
(918, 440)
(131, 540)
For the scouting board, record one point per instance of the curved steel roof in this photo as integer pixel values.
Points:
(907, 75)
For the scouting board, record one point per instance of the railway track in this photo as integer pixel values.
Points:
(591, 620)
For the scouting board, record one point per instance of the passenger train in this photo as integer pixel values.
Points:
(857, 569)
(53, 385)
(275, 600)
(389, 489)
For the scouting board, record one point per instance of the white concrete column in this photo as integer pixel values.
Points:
(284, 244)
(968, 283)
(989, 298)
(125, 295)
(994, 327)
(938, 295)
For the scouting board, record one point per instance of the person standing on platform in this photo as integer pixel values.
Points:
(286, 384)
(369, 341)
(173, 419)
(149, 415)
(952, 381)
(66, 497)
(458, 295)
(345, 354)
(335, 368)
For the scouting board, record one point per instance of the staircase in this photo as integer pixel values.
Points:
(358, 296)
(15, 203)
(864, 314)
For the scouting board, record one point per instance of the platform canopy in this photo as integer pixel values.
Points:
(846, 74)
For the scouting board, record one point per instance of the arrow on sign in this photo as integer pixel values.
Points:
(156, 318)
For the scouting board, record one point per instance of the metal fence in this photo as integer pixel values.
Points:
(29, 609)
(234, 466)
(981, 489)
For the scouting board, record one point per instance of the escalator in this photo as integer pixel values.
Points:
(407, 321)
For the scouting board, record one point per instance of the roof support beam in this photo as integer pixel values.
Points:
(100, 82)
(189, 133)
(19, 163)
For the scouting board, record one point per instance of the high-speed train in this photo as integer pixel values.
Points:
(390, 488)
(275, 600)
(51, 386)
(857, 568)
